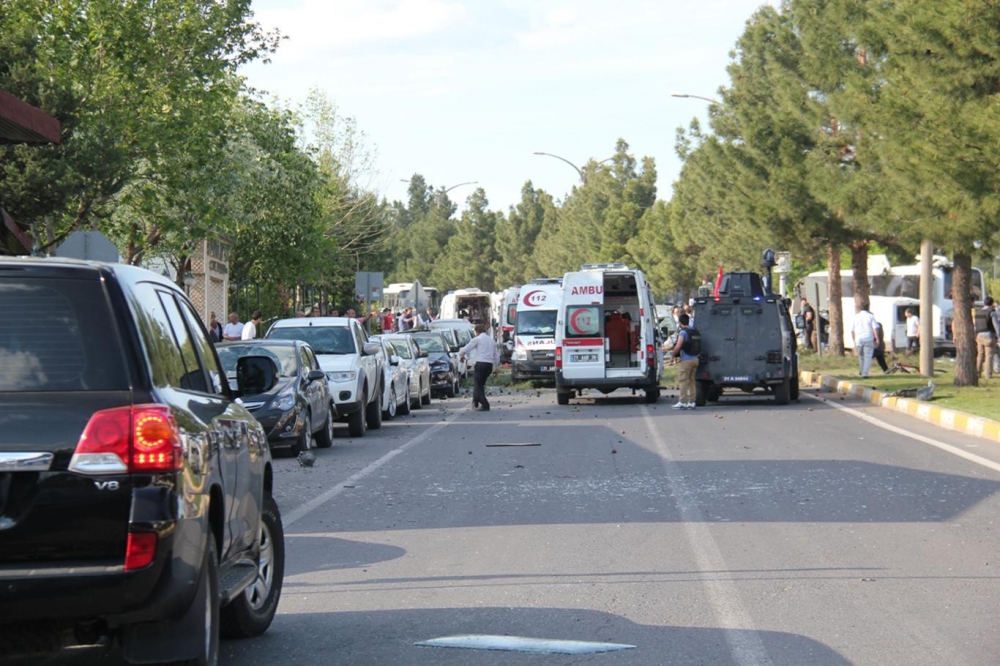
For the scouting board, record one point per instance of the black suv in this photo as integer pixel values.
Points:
(135, 490)
(747, 341)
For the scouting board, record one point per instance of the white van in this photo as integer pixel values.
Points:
(606, 333)
(508, 315)
(534, 355)
(472, 304)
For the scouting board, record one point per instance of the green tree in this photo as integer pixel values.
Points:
(469, 258)
(516, 236)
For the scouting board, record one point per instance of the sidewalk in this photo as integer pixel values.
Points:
(925, 411)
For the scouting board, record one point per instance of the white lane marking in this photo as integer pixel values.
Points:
(948, 448)
(521, 644)
(300, 511)
(745, 643)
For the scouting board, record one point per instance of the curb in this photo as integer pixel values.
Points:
(946, 418)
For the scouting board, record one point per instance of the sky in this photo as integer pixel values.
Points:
(463, 90)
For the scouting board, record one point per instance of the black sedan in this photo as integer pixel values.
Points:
(296, 412)
(444, 373)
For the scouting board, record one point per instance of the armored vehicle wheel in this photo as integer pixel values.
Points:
(701, 390)
(782, 391)
(794, 393)
(714, 393)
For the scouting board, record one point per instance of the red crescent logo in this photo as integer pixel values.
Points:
(573, 321)
(534, 298)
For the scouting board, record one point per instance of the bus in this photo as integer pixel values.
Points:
(399, 295)
(893, 290)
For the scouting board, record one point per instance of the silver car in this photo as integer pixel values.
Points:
(417, 368)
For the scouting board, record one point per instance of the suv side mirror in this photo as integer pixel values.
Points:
(371, 348)
(315, 375)
(255, 375)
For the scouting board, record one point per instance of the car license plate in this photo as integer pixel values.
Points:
(583, 358)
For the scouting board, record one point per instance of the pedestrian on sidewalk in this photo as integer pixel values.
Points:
(688, 363)
(863, 334)
(482, 351)
(879, 353)
(986, 338)
(250, 328)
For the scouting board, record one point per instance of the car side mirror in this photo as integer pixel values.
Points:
(371, 348)
(422, 354)
(315, 375)
(393, 360)
(255, 374)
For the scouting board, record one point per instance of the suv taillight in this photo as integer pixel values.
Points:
(141, 438)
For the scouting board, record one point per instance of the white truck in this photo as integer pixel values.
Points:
(606, 333)
(534, 355)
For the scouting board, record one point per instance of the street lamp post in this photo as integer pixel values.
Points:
(687, 96)
(440, 194)
(583, 176)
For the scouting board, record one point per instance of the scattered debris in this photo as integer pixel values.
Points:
(614, 450)
(306, 459)
(515, 444)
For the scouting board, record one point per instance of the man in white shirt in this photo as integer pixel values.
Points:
(234, 329)
(250, 328)
(912, 331)
(483, 353)
(863, 333)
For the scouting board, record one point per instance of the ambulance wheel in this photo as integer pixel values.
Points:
(652, 395)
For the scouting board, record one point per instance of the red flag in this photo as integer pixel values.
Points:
(718, 284)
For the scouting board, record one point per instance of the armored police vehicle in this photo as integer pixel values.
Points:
(747, 341)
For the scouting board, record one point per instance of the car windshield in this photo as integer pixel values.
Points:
(430, 343)
(537, 322)
(323, 339)
(283, 355)
(401, 348)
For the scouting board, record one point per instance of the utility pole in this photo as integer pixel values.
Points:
(927, 309)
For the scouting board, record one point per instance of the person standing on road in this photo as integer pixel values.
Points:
(809, 315)
(482, 351)
(234, 329)
(250, 328)
(863, 334)
(688, 363)
(986, 338)
(912, 332)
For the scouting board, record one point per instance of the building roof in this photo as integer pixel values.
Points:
(22, 123)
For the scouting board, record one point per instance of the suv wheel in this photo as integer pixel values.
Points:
(373, 411)
(324, 439)
(208, 597)
(306, 437)
(356, 420)
(562, 397)
(251, 612)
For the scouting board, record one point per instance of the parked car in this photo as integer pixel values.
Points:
(298, 411)
(417, 367)
(350, 362)
(444, 372)
(396, 380)
(135, 494)
(451, 336)
(464, 332)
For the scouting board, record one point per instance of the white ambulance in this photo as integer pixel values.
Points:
(606, 333)
(534, 355)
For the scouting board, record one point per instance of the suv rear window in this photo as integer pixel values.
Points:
(323, 339)
(58, 335)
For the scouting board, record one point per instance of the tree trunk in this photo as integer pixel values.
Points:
(859, 267)
(963, 328)
(836, 307)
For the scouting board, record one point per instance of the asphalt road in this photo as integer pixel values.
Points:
(743, 533)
